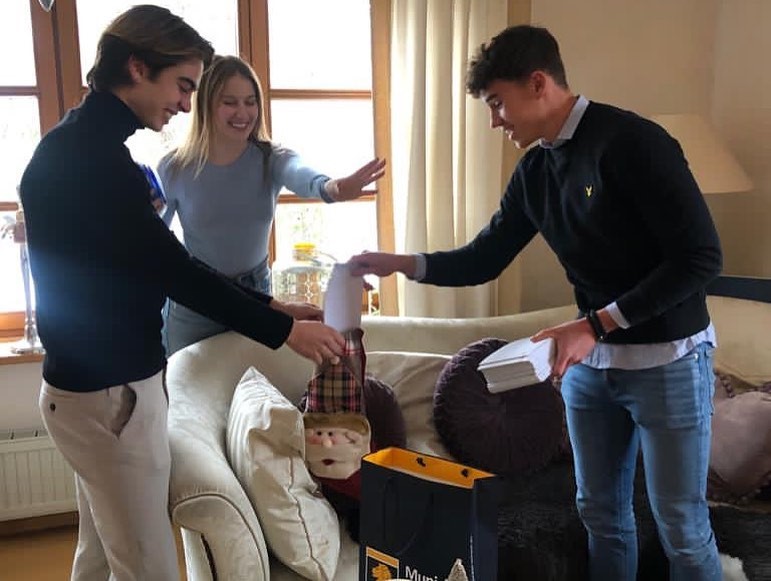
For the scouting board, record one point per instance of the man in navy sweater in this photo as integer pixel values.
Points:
(103, 264)
(612, 195)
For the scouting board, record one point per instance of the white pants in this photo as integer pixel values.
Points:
(117, 443)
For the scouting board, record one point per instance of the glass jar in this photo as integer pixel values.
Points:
(303, 279)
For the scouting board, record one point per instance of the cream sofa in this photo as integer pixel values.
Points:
(222, 536)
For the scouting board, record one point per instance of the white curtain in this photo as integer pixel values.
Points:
(446, 161)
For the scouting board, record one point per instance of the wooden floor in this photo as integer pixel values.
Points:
(46, 555)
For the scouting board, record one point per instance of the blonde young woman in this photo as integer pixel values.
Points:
(223, 183)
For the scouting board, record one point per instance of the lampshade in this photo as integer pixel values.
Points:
(714, 167)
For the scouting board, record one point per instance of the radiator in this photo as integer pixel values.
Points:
(34, 477)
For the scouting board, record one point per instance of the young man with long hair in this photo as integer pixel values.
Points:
(103, 263)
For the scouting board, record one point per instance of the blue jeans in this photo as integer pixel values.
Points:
(666, 412)
(183, 326)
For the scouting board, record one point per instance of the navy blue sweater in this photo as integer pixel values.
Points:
(101, 277)
(620, 208)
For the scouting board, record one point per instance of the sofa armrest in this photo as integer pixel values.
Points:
(197, 564)
(230, 543)
(205, 496)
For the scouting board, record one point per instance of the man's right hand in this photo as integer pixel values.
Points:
(382, 264)
(316, 341)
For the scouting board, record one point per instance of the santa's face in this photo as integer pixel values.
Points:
(334, 452)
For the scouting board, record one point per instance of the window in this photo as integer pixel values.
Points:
(318, 90)
(321, 106)
(26, 106)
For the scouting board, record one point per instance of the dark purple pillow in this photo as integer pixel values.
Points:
(384, 414)
(507, 433)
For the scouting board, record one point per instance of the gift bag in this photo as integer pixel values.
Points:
(420, 513)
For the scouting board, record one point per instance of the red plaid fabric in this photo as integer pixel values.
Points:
(339, 388)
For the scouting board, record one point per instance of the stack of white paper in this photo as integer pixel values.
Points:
(518, 364)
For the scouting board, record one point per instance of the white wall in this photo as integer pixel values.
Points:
(742, 113)
(19, 389)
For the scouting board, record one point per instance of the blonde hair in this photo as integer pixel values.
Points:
(150, 34)
(196, 149)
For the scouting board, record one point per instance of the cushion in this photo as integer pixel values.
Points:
(742, 331)
(266, 448)
(723, 387)
(412, 376)
(740, 456)
(507, 433)
(729, 385)
(384, 414)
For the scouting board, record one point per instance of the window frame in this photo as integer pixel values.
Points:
(255, 48)
(58, 88)
(47, 91)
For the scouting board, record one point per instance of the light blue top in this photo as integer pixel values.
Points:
(227, 210)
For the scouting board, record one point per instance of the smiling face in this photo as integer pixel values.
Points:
(156, 100)
(236, 110)
(517, 108)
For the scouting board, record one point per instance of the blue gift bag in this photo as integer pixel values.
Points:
(420, 513)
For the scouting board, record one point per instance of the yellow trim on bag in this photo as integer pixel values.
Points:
(427, 466)
(382, 557)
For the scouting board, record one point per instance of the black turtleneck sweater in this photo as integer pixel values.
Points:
(621, 210)
(103, 262)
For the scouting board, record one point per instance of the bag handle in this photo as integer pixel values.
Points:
(427, 466)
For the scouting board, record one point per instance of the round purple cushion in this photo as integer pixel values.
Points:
(507, 433)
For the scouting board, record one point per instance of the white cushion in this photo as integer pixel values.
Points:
(266, 448)
(742, 338)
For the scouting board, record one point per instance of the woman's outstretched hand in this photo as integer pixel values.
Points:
(352, 186)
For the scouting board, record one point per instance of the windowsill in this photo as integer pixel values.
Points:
(9, 358)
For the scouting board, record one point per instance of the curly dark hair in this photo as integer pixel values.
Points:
(513, 55)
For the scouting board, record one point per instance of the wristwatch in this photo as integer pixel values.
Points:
(596, 325)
